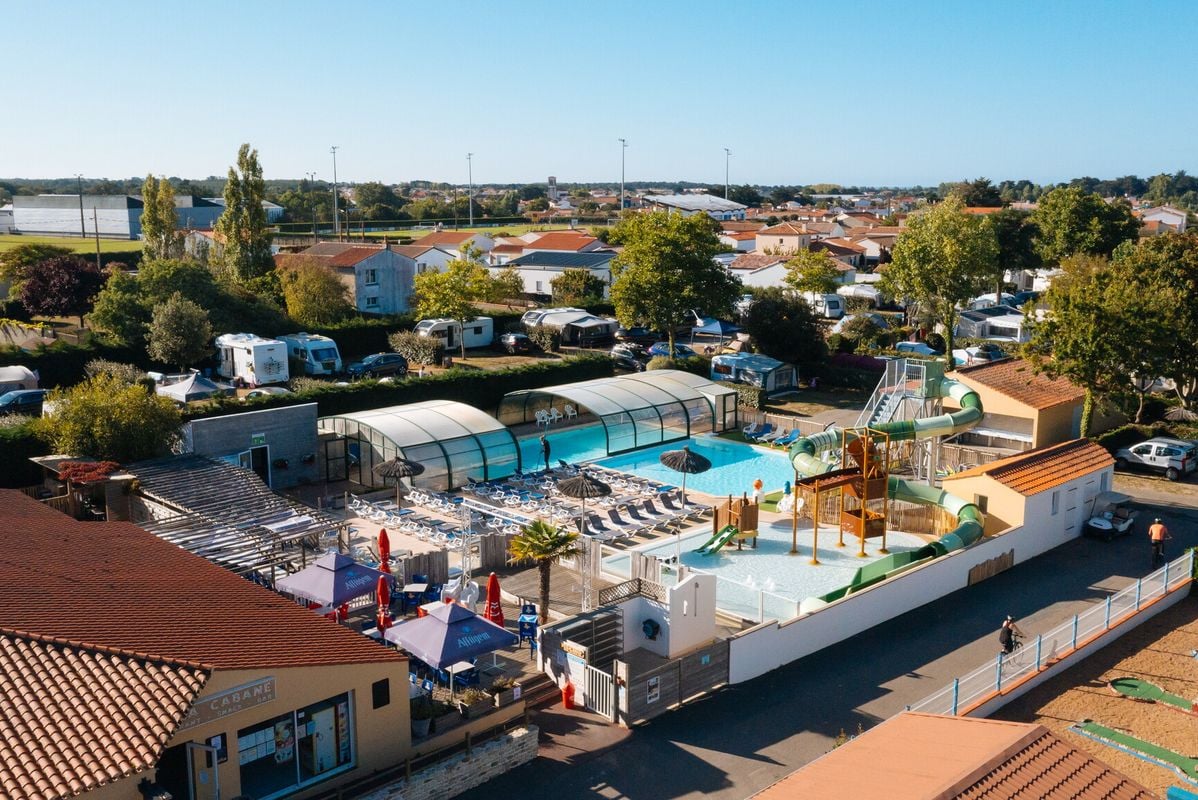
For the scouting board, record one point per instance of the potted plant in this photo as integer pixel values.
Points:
(444, 716)
(422, 716)
(474, 702)
(505, 690)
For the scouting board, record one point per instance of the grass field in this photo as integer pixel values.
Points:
(77, 245)
(508, 230)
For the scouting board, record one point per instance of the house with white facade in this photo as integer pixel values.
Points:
(539, 268)
(425, 258)
(760, 270)
(1162, 219)
(380, 279)
(741, 241)
(454, 241)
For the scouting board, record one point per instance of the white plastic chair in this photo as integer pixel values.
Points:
(542, 418)
(554, 414)
(571, 411)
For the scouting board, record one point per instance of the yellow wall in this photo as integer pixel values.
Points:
(1055, 425)
(1004, 507)
(381, 738)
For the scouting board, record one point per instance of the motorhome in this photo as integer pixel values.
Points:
(478, 332)
(251, 360)
(318, 353)
(828, 306)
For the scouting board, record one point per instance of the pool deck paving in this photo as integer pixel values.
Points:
(743, 738)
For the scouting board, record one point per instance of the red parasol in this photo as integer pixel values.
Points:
(384, 597)
(384, 551)
(494, 611)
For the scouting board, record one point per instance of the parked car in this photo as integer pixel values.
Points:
(515, 343)
(265, 391)
(630, 356)
(1174, 457)
(637, 335)
(23, 401)
(918, 348)
(1020, 298)
(377, 365)
(982, 354)
(663, 349)
(1110, 517)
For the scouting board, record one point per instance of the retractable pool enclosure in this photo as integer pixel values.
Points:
(635, 411)
(453, 441)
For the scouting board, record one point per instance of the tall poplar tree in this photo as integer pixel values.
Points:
(158, 219)
(241, 229)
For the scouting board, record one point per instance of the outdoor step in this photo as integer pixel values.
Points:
(540, 690)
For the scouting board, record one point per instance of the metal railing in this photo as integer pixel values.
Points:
(988, 680)
(637, 587)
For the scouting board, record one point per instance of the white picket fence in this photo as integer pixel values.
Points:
(971, 690)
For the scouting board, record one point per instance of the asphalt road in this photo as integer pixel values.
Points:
(745, 737)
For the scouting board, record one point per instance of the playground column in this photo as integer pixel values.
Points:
(794, 517)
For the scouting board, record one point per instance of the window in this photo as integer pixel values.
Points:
(1056, 502)
(297, 748)
(372, 276)
(981, 501)
(380, 692)
(1104, 481)
(539, 290)
(372, 302)
(477, 330)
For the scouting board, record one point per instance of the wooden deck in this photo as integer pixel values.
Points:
(565, 588)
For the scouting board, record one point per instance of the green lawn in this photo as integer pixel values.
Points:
(77, 245)
(509, 230)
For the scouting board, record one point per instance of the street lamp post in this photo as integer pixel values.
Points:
(470, 191)
(336, 219)
(311, 176)
(623, 147)
(727, 156)
(82, 227)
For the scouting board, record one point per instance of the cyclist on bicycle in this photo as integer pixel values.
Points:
(1008, 634)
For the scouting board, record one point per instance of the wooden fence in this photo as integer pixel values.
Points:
(651, 693)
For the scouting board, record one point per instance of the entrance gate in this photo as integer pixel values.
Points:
(600, 693)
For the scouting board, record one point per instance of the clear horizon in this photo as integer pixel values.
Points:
(879, 96)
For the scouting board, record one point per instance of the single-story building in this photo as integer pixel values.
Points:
(1054, 487)
(538, 269)
(132, 667)
(688, 204)
(999, 322)
(760, 270)
(117, 216)
(280, 444)
(1024, 409)
(455, 241)
(740, 241)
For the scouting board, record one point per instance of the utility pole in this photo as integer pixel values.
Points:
(623, 147)
(727, 156)
(336, 219)
(311, 187)
(82, 227)
(470, 193)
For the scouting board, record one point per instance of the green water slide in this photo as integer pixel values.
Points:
(804, 455)
(1184, 765)
(721, 538)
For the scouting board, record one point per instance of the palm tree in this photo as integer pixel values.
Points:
(545, 544)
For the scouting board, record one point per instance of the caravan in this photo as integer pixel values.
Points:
(478, 332)
(319, 353)
(828, 306)
(250, 359)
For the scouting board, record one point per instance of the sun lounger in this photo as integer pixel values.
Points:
(765, 431)
(770, 438)
(788, 439)
(751, 430)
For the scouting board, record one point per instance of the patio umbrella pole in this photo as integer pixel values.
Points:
(678, 534)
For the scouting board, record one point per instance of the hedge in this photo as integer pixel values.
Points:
(1125, 435)
(746, 395)
(61, 364)
(19, 444)
(482, 389)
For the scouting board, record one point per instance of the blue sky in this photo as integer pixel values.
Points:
(868, 92)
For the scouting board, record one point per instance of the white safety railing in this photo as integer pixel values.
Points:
(988, 680)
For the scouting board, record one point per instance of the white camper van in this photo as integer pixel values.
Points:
(251, 359)
(828, 306)
(319, 353)
(479, 332)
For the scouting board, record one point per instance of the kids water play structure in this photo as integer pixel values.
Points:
(863, 471)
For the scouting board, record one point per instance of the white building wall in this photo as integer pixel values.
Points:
(692, 614)
(122, 223)
(395, 280)
(762, 278)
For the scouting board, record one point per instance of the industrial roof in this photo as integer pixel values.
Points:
(915, 756)
(1040, 470)
(1016, 379)
(557, 258)
(74, 718)
(112, 585)
(72, 201)
(695, 202)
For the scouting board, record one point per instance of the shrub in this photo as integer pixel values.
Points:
(1125, 435)
(746, 395)
(547, 339)
(125, 373)
(415, 348)
(19, 443)
(935, 341)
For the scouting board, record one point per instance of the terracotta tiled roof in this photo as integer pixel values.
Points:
(114, 585)
(755, 261)
(1040, 470)
(982, 210)
(785, 229)
(501, 249)
(740, 236)
(732, 225)
(1016, 379)
(74, 718)
(354, 255)
(563, 240)
(906, 758)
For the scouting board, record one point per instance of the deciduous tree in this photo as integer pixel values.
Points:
(812, 271)
(61, 286)
(242, 226)
(159, 223)
(1015, 231)
(1072, 222)
(454, 293)
(667, 269)
(784, 326)
(16, 264)
(105, 418)
(941, 260)
(120, 309)
(314, 294)
(506, 285)
(179, 332)
(577, 287)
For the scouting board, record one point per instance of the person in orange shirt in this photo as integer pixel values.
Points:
(1157, 534)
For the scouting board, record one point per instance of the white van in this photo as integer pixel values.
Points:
(251, 359)
(478, 332)
(319, 353)
(828, 306)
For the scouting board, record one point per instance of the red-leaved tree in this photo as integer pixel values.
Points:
(61, 286)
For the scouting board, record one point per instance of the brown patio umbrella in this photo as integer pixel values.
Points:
(688, 463)
(580, 487)
(398, 468)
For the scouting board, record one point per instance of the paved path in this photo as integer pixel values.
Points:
(745, 737)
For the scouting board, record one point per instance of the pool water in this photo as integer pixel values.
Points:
(734, 466)
(572, 445)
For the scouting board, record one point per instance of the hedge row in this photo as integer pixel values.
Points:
(18, 445)
(61, 364)
(482, 389)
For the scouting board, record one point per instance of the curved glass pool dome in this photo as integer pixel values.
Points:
(636, 410)
(452, 440)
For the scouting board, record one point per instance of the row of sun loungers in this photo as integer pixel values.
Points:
(768, 434)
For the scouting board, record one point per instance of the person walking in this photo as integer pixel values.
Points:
(1007, 635)
(545, 450)
(1157, 534)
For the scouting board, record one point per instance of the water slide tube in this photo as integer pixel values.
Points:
(804, 456)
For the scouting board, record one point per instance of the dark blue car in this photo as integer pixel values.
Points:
(23, 401)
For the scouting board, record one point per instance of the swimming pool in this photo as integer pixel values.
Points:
(734, 466)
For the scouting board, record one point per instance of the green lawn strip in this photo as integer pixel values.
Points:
(1164, 755)
(75, 245)
(1138, 689)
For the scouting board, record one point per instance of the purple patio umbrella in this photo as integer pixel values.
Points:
(333, 579)
(448, 634)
